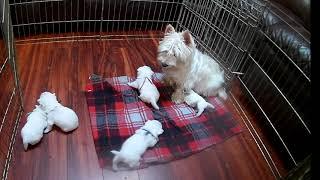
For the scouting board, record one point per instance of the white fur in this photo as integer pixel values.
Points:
(183, 64)
(148, 91)
(63, 117)
(134, 147)
(32, 131)
(195, 100)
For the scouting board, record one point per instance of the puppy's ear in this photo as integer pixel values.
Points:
(188, 40)
(169, 29)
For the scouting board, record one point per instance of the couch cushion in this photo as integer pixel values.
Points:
(287, 31)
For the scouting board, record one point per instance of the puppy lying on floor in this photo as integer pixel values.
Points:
(134, 147)
(32, 131)
(195, 100)
(65, 118)
(148, 91)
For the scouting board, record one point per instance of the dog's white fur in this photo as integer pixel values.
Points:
(195, 100)
(32, 131)
(134, 147)
(57, 114)
(148, 91)
(187, 68)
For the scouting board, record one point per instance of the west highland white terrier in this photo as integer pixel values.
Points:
(187, 68)
(148, 91)
(63, 117)
(32, 131)
(134, 147)
(195, 100)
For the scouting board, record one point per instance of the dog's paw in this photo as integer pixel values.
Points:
(177, 97)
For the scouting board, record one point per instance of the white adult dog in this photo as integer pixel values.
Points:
(195, 100)
(134, 147)
(59, 115)
(32, 131)
(187, 68)
(148, 91)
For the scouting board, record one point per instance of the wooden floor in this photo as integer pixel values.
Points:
(64, 68)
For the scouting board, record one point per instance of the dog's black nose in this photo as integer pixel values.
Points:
(164, 65)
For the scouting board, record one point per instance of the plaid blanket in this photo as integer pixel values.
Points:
(116, 112)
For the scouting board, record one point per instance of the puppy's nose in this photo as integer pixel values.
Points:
(164, 65)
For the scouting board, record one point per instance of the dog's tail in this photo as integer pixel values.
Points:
(222, 93)
(154, 104)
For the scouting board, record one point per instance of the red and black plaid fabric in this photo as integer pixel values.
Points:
(116, 112)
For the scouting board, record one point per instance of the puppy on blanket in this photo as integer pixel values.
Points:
(134, 147)
(148, 91)
(65, 118)
(32, 131)
(195, 100)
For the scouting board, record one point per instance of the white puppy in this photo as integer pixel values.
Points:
(188, 68)
(195, 100)
(65, 118)
(134, 147)
(148, 91)
(32, 131)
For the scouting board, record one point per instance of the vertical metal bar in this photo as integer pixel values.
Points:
(90, 16)
(101, 18)
(119, 17)
(84, 16)
(143, 15)
(17, 19)
(59, 24)
(114, 16)
(95, 17)
(77, 18)
(52, 19)
(22, 21)
(45, 8)
(65, 15)
(136, 22)
(28, 22)
(154, 14)
(125, 17)
(131, 15)
(164, 16)
(34, 20)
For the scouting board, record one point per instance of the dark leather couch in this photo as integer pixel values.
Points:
(279, 74)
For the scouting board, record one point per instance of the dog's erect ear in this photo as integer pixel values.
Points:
(169, 29)
(188, 40)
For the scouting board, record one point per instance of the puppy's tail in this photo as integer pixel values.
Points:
(222, 93)
(210, 105)
(117, 153)
(116, 160)
(25, 144)
(154, 104)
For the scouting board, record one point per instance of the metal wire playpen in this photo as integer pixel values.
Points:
(228, 30)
